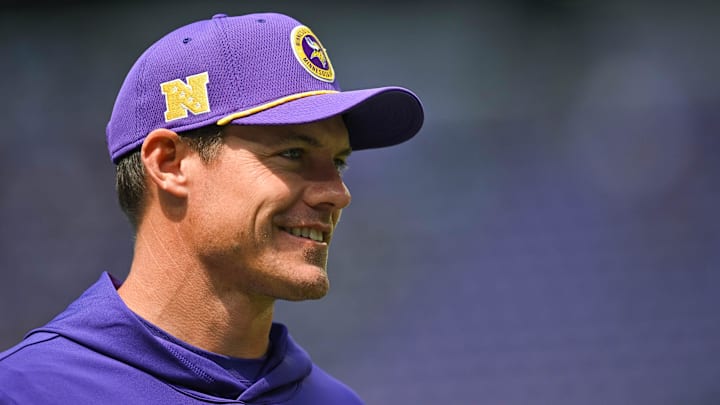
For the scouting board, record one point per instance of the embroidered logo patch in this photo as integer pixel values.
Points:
(181, 97)
(311, 54)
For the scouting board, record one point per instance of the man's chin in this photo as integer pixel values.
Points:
(312, 288)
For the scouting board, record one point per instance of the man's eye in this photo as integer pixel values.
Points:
(292, 154)
(341, 165)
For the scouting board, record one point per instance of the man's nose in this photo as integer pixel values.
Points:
(327, 188)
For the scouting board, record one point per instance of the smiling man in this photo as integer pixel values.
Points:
(230, 136)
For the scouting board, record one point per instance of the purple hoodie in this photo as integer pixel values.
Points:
(98, 351)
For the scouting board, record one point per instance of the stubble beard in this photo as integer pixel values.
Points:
(316, 257)
(317, 285)
(300, 285)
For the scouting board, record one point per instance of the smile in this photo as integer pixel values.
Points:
(308, 233)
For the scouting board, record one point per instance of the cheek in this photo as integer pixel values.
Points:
(243, 203)
(232, 185)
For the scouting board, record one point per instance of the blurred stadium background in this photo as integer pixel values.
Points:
(551, 236)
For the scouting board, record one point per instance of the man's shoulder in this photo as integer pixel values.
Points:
(48, 368)
(33, 348)
(41, 356)
(37, 358)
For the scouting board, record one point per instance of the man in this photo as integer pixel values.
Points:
(230, 136)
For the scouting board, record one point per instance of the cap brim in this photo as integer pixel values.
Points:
(375, 118)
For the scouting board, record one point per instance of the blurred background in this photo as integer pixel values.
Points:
(550, 237)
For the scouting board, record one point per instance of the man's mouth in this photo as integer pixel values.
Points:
(308, 233)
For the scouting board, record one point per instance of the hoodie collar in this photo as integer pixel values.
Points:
(100, 321)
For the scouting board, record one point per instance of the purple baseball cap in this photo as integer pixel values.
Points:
(256, 69)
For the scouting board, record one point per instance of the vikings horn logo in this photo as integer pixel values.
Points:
(317, 51)
(311, 54)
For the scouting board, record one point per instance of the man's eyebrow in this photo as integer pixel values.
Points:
(296, 137)
(308, 140)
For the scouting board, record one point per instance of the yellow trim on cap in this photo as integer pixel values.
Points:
(240, 114)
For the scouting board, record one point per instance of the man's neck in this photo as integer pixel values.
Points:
(179, 296)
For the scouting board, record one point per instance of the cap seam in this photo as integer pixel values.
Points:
(221, 25)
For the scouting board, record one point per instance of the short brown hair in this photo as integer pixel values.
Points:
(130, 172)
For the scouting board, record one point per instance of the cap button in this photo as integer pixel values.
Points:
(219, 16)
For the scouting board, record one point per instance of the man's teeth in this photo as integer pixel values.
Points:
(313, 234)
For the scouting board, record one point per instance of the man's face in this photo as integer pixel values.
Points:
(262, 215)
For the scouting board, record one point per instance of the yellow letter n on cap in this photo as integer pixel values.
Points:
(181, 97)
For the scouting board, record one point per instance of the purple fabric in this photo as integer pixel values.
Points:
(250, 61)
(98, 351)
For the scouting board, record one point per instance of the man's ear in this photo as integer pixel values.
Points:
(162, 154)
